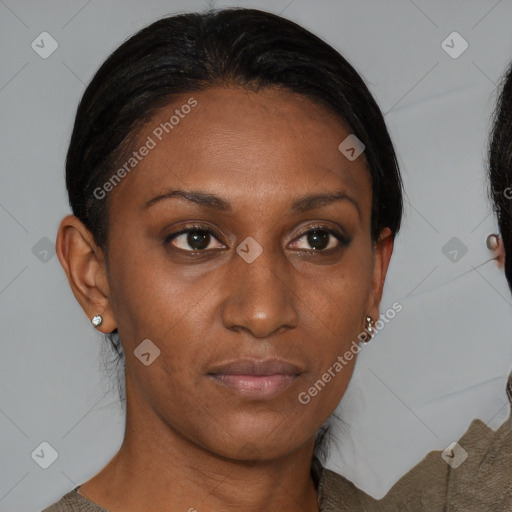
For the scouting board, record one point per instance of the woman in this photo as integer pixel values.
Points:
(235, 196)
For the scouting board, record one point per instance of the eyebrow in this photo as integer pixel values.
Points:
(201, 198)
(208, 200)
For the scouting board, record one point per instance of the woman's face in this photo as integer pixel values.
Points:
(247, 305)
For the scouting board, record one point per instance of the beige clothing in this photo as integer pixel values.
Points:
(482, 483)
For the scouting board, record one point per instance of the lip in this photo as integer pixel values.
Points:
(256, 378)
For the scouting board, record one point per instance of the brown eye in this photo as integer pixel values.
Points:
(194, 239)
(320, 238)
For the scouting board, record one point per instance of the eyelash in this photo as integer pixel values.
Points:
(342, 239)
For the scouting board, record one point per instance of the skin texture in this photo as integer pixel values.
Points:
(191, 441)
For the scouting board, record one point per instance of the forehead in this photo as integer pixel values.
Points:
(253, 144)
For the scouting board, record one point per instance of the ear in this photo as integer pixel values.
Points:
(85, 267)
(495, 244)
(383, 249)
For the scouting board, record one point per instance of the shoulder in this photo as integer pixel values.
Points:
(74, 502)
(336, 493)
(482, 481)
(485, 482)
(479, 478)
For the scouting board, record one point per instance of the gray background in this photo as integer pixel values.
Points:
(442, 361)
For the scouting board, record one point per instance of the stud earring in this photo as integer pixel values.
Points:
(493, 241)
(96, 320)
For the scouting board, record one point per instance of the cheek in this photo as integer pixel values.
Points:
(148, 296)
(339, 295)
(336, 305)
(156, 300)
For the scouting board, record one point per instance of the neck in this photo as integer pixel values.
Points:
(156, 468)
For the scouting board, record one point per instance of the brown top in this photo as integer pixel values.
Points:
(481, 483)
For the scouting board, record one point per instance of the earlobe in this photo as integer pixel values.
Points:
(494, 243)
(84, 264)
(382, 256)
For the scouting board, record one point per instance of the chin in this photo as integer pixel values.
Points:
(255, 446)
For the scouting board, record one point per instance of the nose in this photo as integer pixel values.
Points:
(260, 296)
